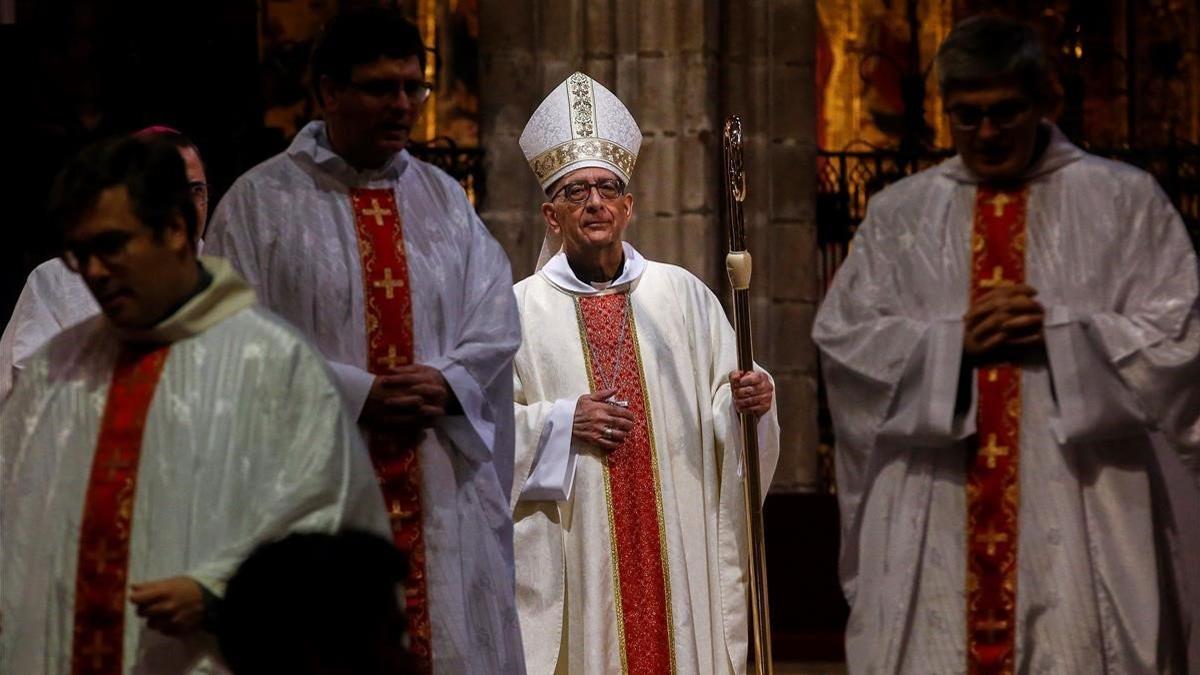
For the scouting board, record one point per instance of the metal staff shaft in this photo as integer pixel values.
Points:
(737, 264)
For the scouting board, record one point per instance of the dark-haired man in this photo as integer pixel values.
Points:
(381, 261)
(144, 452)
(1012, 352)
(55, 298)
(349, 620)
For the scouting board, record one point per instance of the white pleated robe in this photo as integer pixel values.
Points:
(54, 298)
(245, 440)
(287, 225)
(565, 588)
(1107, 558)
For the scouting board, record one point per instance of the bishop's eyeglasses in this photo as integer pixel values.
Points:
(579, 192)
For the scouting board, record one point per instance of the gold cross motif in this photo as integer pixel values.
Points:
(998, 203)
(102, 555)
(399, 513)
(392, 358)
(120, 460)
(991, 626)
(993, 450)
(993, 374)
(377, 212)
(996, 280)
(991, 538)
(388, 284)
(97, 650)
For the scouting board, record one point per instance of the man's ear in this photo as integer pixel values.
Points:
(176, 237)
(327, 89)
(628, 201)
(551, 216)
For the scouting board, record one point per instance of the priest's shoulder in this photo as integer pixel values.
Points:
(61, 353)
(274, 332)
(522, 287)
(533, 284)
(281, 348)
(912, 193)
(1122, 176)
(678, 278)
(274, 169)
(442, 184)
(51, 275)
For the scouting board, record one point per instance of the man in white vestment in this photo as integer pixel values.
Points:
(55, 298)
(1011, 353)
(381, 261)
(146, 451)
(630, 531)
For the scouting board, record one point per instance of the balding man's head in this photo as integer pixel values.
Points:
(193, 163)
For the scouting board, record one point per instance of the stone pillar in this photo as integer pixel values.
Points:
(509, 73)
(680, 66)
(767, 77)
(660, 59)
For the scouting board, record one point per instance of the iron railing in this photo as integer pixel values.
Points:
(846, 180)
(464, 164)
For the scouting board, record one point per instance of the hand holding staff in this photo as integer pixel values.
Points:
(737, 264)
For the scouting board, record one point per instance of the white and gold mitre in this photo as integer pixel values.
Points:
(580, 124)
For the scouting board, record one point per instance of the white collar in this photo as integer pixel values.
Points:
(312, 143)
(1059, 152)
(559, 273)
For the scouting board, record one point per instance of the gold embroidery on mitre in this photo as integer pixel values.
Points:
(580, 149)
(581, 99)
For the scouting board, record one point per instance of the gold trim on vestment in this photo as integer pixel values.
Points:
(581, 103)
(662, 525)
(612, 521)
(575, 150)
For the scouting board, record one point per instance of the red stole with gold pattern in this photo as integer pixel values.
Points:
(632, 490)
(97, 646)
(993, 480)
(388, 302)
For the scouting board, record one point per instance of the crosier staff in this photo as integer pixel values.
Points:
(737, 264)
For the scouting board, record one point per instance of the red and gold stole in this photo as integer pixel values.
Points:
(993, 480)
(632, 490)
(388, 302)
(100, 577)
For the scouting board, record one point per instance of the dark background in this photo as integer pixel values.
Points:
(74, 72)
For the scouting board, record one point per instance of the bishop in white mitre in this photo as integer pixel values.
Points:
(630, 534)
(144, 452)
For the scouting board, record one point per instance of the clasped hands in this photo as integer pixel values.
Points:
(408, 400)
(604, 424)
(601, 422)
(1002, 323)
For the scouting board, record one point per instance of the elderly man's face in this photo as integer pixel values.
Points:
(198, 184)
(994, 128)
(370, 117)
(598, 221)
